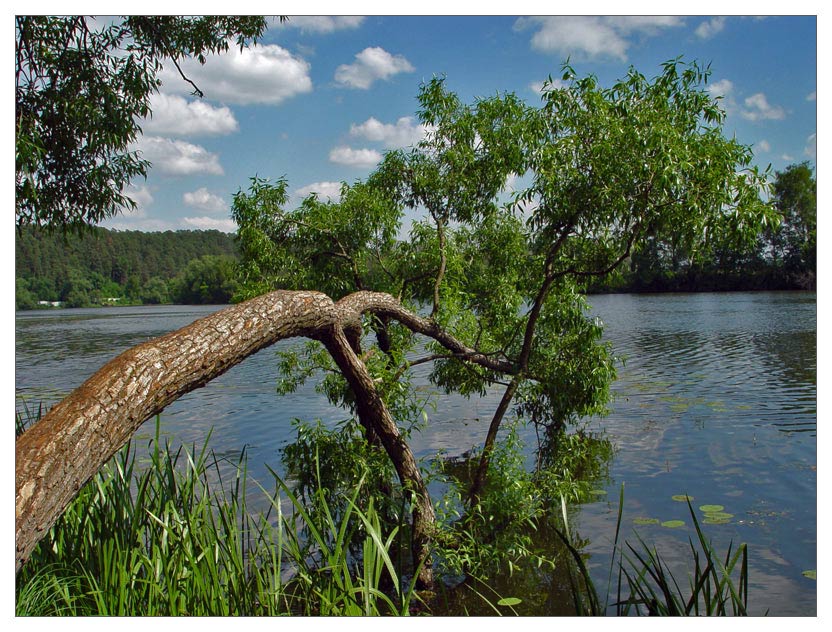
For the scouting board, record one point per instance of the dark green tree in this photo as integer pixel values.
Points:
(81, 87)
(794, 242)
(208, 280)
(494, 286)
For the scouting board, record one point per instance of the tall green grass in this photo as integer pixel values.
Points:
(171, 537)
(716, 585)
(172, 533)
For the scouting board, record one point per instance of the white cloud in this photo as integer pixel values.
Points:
(371, 64)
(176, 157)
(403, 133)
(763, 145)
(811, 149)
(537, 86)
(130, 222)
(592, 36)
(323, 23)
(812, 96)
(758, 108)
(721, 88)
(202, 199)
(709, 28)
(354, 157)
(325, 190)
(787, 157)
(210, 223)
(174, 115)
(142, 196)
(259, 74)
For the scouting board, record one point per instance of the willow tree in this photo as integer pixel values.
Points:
(81, 88)
(487, 288)
(490, 278)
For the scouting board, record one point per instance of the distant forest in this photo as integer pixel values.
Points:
(104, 267)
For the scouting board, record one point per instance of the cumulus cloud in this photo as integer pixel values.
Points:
(721, 88)
(204, 200)
(210, 223)
(132, 222)
(354, 157)
(323, 23)
(265, 74)
(811, 149)
(176, 157)
(174, 115)
(709, 28)
(812, 96)
(325, 190)
(592, 36)
(371, 64)
(142, 196)
(403, 133)
(758, 109)
(763, 145)
(555, 84)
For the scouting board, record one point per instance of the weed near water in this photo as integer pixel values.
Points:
(165, 538)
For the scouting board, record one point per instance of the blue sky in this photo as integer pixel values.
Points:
(321, 98)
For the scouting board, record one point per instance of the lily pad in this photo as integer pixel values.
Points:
(509, 601)
(709, 519)
(810, 574)
(681, 498)
(646, 520)
(718, 515)
(673, 524)
(711, 508)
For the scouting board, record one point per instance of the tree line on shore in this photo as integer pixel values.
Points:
(103, 266)
(201, 267)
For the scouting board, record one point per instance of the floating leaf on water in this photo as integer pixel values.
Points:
(711, 508)
(673, 524)
(810, 574)
(646, 520)
(709, 519)
(681, 498)
(598, 492)
(719, 515)
(509, 601)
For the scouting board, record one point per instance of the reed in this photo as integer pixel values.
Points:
(716, 586)
(173, 536)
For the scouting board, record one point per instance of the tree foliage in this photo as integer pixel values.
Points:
(132, 266)
(794, 240)
(599, 172)
(81, 87)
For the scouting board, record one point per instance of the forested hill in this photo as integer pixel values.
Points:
(105, 266)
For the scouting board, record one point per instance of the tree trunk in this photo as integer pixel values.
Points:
(61, 452)
(371, 407)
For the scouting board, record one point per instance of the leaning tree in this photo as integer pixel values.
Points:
(516, 207)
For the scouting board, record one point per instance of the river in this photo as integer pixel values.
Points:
(716, 400)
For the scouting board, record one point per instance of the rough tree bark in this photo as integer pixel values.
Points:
(61, 452)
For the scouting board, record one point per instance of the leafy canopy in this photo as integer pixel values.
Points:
(80, 88)
(597, 172)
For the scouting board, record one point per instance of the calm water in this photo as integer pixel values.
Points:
(717, 399)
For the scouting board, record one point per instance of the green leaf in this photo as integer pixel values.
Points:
(509, 601)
